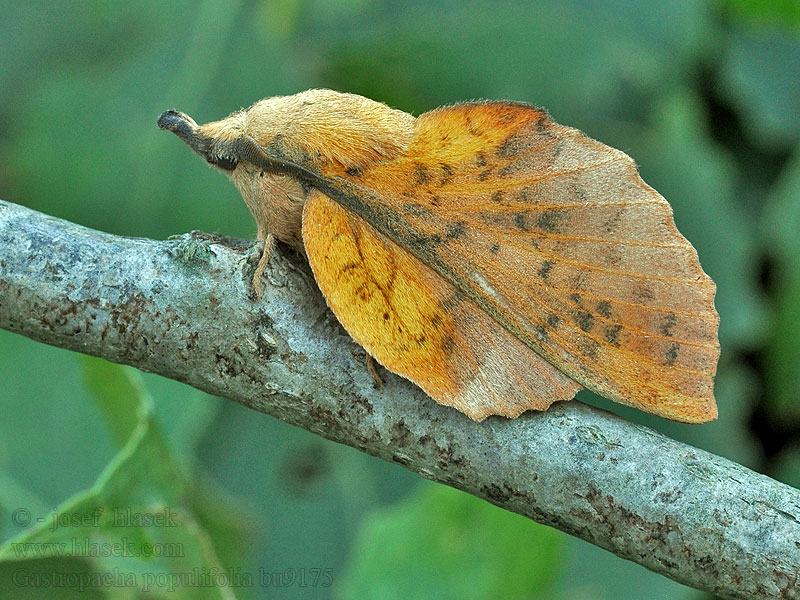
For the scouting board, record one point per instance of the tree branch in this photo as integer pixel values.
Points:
(183, 308)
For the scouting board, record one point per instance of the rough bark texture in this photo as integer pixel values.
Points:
(183, 308)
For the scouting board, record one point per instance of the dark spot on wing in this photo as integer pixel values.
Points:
(436, 321)
(612, 256)
(543, 127)
(447, 174)
(589, 348)
(611, 333)
(363, 292)
(611, 224)
(448, 343)
(497, 196)
(471, 127)
(579, 281)
(643, 294)
(494, 249)
(349, 266)
(579, 194)
(485, 174)
(553, 321)
(513, 145)
(576, 298)
(604, 308)
(541, 332)
(526, 195)
(545, 268)
(434, 200)
(456, 230)
(672, 354)
(521, 221)
(480, 159)
(509, 169)
(585, 320)
(420, 173)
(506, 117)
(423, 242)
(385, 316)
(354, 171)
(551, 220)
(667, 324)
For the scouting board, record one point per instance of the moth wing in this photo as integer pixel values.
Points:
(557, 238)
(419, 325)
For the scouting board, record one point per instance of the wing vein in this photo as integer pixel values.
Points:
(476, 371)
(506, 206)
(582, 238)
(581, 169)
(485, 328)
(561, 259)
(368, 272)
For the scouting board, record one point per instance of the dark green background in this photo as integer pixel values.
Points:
(704, 95)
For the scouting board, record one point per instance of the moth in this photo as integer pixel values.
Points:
(495, 258)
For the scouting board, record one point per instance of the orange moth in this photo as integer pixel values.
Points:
(495, 258)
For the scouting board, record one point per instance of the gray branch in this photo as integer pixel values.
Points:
(183, 308)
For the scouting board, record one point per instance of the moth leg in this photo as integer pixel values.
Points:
(266, 252)
(372, 367)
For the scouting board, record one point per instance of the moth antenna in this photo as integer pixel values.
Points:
(185, 128)
(181, 125)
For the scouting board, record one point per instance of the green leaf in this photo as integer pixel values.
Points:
(118, 393)
(142, 519)
(443, 543)
(53, 442)
(184, 414)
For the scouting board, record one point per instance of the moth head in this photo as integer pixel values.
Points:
(277, 150)
(215, 147)
(311, 130)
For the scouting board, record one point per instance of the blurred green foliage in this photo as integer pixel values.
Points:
(142, 521)
(437, 539)
(702, 94)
